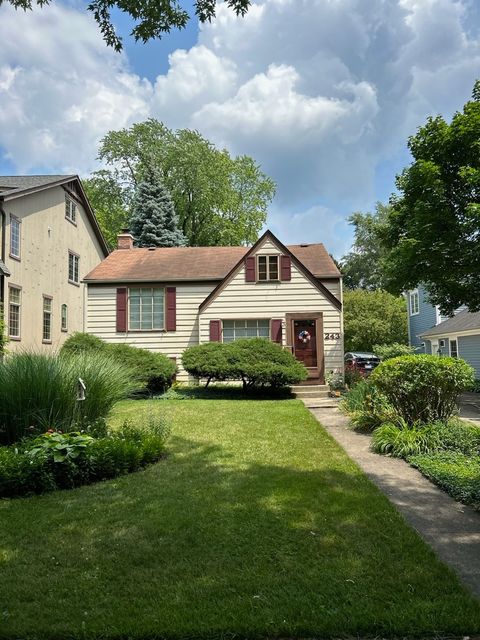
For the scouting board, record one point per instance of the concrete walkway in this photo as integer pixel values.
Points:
(450, 528)
(470, 407)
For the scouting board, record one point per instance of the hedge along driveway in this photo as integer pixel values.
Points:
(256, 524)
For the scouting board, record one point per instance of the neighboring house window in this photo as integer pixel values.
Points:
(453, 349)
(414, 303)
(236, 329)
(14, 309)
(14, 237)
(146, 309)
(73, 267)
(70, 210)
(267, 268)
(47, 319)
(64, 318)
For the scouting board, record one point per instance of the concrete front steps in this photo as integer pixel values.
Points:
(310, 390)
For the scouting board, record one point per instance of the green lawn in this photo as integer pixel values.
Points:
(256, 524)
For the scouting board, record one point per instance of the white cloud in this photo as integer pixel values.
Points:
(321, 92)
(61, 90)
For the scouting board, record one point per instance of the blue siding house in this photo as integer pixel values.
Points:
(430, 332)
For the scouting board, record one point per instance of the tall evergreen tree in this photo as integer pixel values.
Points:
(153, 222)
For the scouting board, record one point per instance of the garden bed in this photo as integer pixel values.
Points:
(257, 524)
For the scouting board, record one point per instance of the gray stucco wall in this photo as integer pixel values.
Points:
(469, 350)
(425, 319)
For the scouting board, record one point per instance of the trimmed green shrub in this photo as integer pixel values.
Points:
(79, 342)
(150, 370)
(387, 351)
(211, 360)
(63, 461)
(153, 371)
(260, 363)
(257, 362)
(453, 471)
(423, 388)
(475, 387)
(38, 391)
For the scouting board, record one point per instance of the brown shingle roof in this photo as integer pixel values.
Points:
(195, 263)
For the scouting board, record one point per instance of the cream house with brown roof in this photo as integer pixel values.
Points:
(167, 299)
(49, 240)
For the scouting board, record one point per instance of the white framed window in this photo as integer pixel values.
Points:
(64, 317)
(14, 312)
(453, 349)
(414, 303)
(236, 329)
(47, 319)
(146, 309)
(73, 267)
(70, 210)
(267, 268)
(15, 237)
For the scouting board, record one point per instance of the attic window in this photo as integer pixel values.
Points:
(267, 268)
(70, 210)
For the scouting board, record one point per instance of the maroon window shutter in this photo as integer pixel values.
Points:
(215, 330)
(276, 331)
(171, 324)
(250, 275)
(122, 309)
(285, 268)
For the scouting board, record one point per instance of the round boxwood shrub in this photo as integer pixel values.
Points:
(255, 361)
(423, 388)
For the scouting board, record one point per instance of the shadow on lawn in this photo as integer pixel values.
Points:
(203, 544)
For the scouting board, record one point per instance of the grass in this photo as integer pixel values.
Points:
(257, 524)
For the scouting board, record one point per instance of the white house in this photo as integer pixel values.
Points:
(166, 299)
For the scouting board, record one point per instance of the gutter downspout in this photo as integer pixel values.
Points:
(2, 257)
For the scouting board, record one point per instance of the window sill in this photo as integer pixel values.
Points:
(148, 331)
(64, 330)
(76, 284)
(74, 222)
(13, 257)
(46, 342)
(15, 338)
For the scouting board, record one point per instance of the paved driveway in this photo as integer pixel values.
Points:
(470, 406)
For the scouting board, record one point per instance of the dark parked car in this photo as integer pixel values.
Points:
(362, 361)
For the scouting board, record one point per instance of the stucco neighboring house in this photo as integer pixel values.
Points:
(166, 299)
(458, 337)
(49, 240)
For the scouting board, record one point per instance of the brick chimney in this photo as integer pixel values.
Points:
(125, 240)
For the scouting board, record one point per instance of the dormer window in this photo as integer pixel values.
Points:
(70, 210)
(267, 268)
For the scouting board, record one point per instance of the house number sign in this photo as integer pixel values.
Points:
(332, 336)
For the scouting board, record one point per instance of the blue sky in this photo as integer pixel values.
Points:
(322, 93)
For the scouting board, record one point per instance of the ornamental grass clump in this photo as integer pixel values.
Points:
(423, 388)
(39, 391)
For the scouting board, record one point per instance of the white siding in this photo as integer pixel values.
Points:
(242, 300)
(101, 312)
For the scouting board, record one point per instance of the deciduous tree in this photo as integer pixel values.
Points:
(433, 229)
(362, 267)
(153, 18)
(219, 200)
(373, 317)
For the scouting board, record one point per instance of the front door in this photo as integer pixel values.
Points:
(305, 343)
